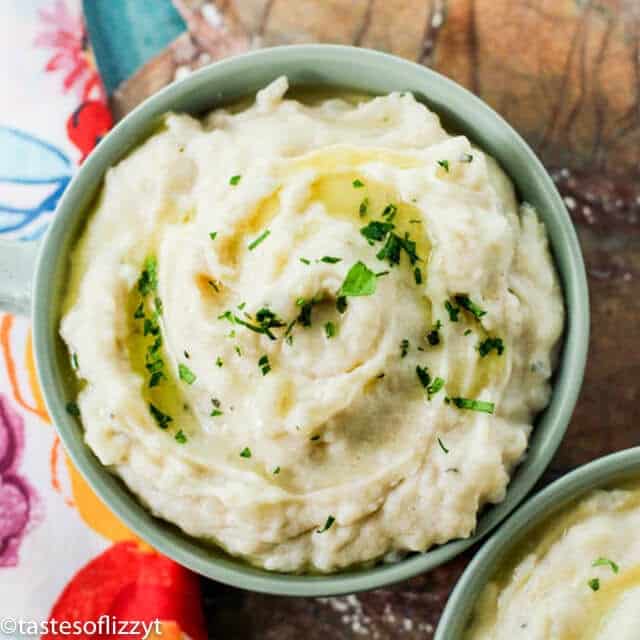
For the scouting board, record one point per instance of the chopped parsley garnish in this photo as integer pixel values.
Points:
(162, 419)
(73, 409)
(488, 345)
(276, 471)
(185, 374)
(74, 361)
(219, 361)
(245, 453)
(156, 376)
(434, 387)
(263, 236)
(376, 231)
(605, 562)
(150, 327)
(393, 247)
(417, 275)
(381, 274)
(264, 365)
(327, 524)
(238, 350)
(357, 184)
(433, 337)
(305, 261)
(474, 405)
(226, 315)
(266, 319)
(341, 304)
(423, 376)
(158, 304)
(138, 314)
(215, 413)
(360, 281)
(364, 207)
(466, 157)
(148, 281)
(389, 212)
(594, 584)
(444, 164)
(180, 437)
(404, 348)
(306, 307)
(314, 438)
(466, 303)
(330, 259)
(467, 332)
(330, 329)
(452, 311)
(213, 235)
(442, 445)
(234, 180)
(241, 306)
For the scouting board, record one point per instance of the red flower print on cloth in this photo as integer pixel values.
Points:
(127, 582)
(66, 34)
(19, 504)
(87, 125)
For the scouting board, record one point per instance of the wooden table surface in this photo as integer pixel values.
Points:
(566, 75)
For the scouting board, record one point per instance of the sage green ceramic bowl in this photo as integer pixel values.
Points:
(600, 474)
(342, 68)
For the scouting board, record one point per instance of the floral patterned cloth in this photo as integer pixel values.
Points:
(63, 555)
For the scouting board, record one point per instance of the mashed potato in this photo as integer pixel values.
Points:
(314, 335)
(578, 579)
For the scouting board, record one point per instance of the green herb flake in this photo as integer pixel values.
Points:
(148, 281)
(434, 387)
(376, 231)
(474, 405)
(417, 275)
(264, 365)
(245, 453)
(330, 260)
(330, 329)
(381, 274)
(490, 344)
(467, 332)
(314, 438)
(327, 524)
(74, 361)
(73, 409)
(180, 437)
(138, 314)
(605, 562)
(360, 281)
(185, 374)
(305, 261)
(394, 245)
(466, 157)
(594, 584)
(423, 376)
(466, 303)
(213, 235)
(261, 238)
(442, 445)
(357, 184)
(389, 212)
(156, 378)
(162, 419)
(433, 337)
(444, 164)
(234, 180)
(341, 304)
(226, 315)
(452, 311)
(216, 412)
(219, 362)
(158, 305)
(404, 348)
(364, 207)
(276, 471)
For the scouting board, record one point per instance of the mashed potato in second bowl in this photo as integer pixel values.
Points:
(313, 334)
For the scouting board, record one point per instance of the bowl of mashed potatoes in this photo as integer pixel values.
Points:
(566, 565)
(321, 319)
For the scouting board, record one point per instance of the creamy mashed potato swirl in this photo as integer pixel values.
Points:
(313, 334)
(578, 578)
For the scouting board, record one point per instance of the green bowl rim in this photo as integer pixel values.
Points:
(597, 473)
(181, 547)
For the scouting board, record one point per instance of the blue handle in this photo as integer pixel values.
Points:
(17, 266)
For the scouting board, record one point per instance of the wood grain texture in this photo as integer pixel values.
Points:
(566, 74)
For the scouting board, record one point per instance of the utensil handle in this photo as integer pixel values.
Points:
(17, 266)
